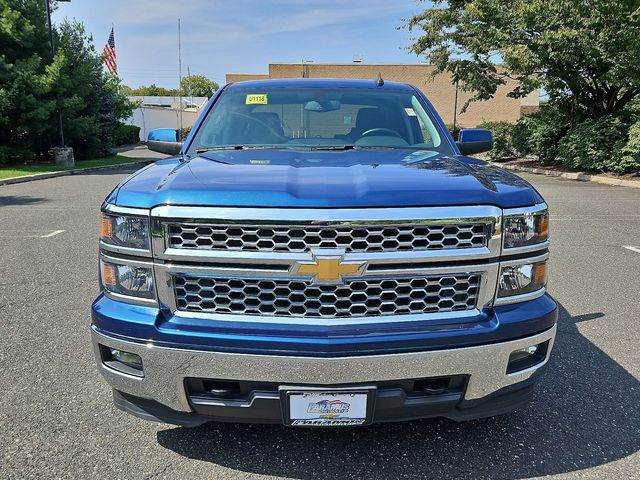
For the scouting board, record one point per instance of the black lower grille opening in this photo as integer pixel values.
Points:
(221, 388)
(211, 389)
(432, 386)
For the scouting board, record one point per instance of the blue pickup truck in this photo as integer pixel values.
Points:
(321, 252)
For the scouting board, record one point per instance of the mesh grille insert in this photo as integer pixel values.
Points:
(361, 239)
(363, 297)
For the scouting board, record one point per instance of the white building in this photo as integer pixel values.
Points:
(164, 112)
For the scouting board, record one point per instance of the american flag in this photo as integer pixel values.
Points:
(109, 53)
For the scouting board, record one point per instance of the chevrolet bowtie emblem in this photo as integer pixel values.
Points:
(329, 268)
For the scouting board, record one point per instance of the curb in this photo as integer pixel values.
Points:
(578, 176)
(128, 148)
(64, 173)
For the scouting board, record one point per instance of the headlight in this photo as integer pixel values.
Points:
(129, 280)
(521, 279)
(524, 229)
(125, 231)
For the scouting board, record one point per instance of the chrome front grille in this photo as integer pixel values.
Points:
(326, 266)
(365, 297)
(352, 238)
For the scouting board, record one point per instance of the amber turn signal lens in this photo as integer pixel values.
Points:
(109, 274)
(540, 273)
(543, 226)
(106, 230)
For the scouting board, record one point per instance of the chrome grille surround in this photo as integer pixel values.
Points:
(370, 297)
(172, 265)
(352, 238)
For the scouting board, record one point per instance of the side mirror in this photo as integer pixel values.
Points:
(474, 140)
(164, 140)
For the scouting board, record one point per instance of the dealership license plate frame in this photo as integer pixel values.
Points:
(287, 392)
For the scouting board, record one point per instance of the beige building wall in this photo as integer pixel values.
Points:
(243, 77)
(439, 90)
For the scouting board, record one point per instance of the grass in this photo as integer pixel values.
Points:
(23, 170)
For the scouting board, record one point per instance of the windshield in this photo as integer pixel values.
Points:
(323, 118)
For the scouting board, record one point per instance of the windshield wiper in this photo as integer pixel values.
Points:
(291, 147)
(349, 147)
(331, 147)
(376, 147)
(242, 147)
(223, 147)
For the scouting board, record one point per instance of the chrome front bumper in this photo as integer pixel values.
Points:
(165, 368)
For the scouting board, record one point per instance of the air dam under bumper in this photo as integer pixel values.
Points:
(161, 394)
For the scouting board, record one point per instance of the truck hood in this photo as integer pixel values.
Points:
(324, 179)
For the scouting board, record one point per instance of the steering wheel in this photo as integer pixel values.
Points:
(379, 132)
(261, 123)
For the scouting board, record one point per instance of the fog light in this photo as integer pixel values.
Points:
(122, 361)
(528, 357)
(524, 353)
(127, 358)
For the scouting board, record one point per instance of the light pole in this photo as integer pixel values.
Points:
(63, 156)
(455, 112)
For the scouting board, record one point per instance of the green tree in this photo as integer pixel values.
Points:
(152, 91)
(198, 86)
(584, 53)
(126, 90)
(26, 100)
(90, 102)
(31, 81)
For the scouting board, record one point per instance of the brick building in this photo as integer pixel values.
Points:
(440, 91)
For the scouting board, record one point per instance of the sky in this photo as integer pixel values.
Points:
(242, 36)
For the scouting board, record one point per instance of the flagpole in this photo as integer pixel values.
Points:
(52, 50)
(180, 71)
(190, 85)
(113, 29)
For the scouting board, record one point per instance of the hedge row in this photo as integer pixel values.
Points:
(610, 143)
(126, 134)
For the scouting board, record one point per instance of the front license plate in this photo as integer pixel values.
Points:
(341, 408)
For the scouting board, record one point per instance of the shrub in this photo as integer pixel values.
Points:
(608, 143)
(455, 132)
(521, 136)
(126, 134)
(544, 130)
(630, 159)
(503, 147)
(184, 133)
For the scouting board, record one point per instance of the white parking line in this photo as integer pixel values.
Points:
(52, 234)
(633, 249)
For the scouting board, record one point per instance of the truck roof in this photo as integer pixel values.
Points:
(318, 83)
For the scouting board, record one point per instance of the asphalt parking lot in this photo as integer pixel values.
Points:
(57, 420)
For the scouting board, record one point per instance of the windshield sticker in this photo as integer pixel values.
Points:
(411, 112)
(256, 99)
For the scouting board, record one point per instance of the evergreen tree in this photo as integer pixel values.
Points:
(31, 81)
(26, 100)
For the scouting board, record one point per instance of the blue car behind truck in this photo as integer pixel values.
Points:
(322, 253)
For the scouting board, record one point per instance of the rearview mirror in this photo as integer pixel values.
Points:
(324, 106)
(164, 140)
(474, 140)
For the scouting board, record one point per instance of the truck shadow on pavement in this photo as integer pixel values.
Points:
(586, 413)
(14, 200)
